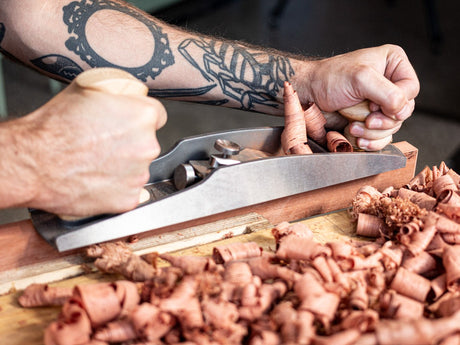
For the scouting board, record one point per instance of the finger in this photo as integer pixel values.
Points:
(373, 145)
(402, 115)
(396, 106)
(378, 89)
(157, 109)
(378, 120)
(407, 111)
(162, 116)
(359, 130)
(156, 148)
(400, 71)
(148, 149)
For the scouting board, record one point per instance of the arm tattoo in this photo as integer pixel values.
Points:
(76, 15)
(184, 93)
(247, 77)
(58, 65)
(53, 64)
(181, 92)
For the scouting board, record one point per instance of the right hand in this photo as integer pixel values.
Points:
(91, 151)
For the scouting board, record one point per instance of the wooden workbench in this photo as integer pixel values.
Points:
(26, 258)
(20, 326)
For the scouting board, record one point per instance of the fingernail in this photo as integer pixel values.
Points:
(356, 130)
(375, 123)
(373, 107)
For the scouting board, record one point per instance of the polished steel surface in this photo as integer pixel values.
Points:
(225, 188)
(184, 176)
(227, 147)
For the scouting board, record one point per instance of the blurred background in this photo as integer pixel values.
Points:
(428, 30)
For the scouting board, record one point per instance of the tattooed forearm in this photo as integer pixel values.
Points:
(247, 77)
(53, 64)
(78, 14)
(172, 62)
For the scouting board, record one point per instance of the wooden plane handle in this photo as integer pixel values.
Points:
(358, 112)
(113, 81)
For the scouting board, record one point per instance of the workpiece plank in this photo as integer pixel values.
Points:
(75, 264)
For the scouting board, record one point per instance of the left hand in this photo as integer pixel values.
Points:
(383, 75)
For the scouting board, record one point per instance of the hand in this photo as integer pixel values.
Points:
(382, 75)
(91, 150)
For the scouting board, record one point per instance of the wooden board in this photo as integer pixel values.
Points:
(75, 264)
(19, 326)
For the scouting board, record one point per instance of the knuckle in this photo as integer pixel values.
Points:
(411, 106)
(154, 112)
(361, 74)
(144, 178)
(139, 179)
(395, 47)
(130, 200)
(155, 150)
(396, 101)
(388, 122)
(416, 90)
(128, 205)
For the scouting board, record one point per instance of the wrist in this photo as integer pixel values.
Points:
(17, 165)
(303, 79)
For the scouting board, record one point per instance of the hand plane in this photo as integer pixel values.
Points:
(214, 173)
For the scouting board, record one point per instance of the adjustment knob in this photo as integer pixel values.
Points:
(184, 175)
(227, 147)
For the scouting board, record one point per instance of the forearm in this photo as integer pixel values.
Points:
(63, 38)
(17, 179)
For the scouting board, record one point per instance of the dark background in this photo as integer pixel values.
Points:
(428, 30)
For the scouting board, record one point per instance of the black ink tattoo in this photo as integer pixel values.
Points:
(217, 102)
(58, 65)
(53, 64)
(76, 15)
(181, 92)
(249, 78)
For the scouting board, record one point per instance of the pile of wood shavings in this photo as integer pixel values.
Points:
(394, 211)
(401, 288)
